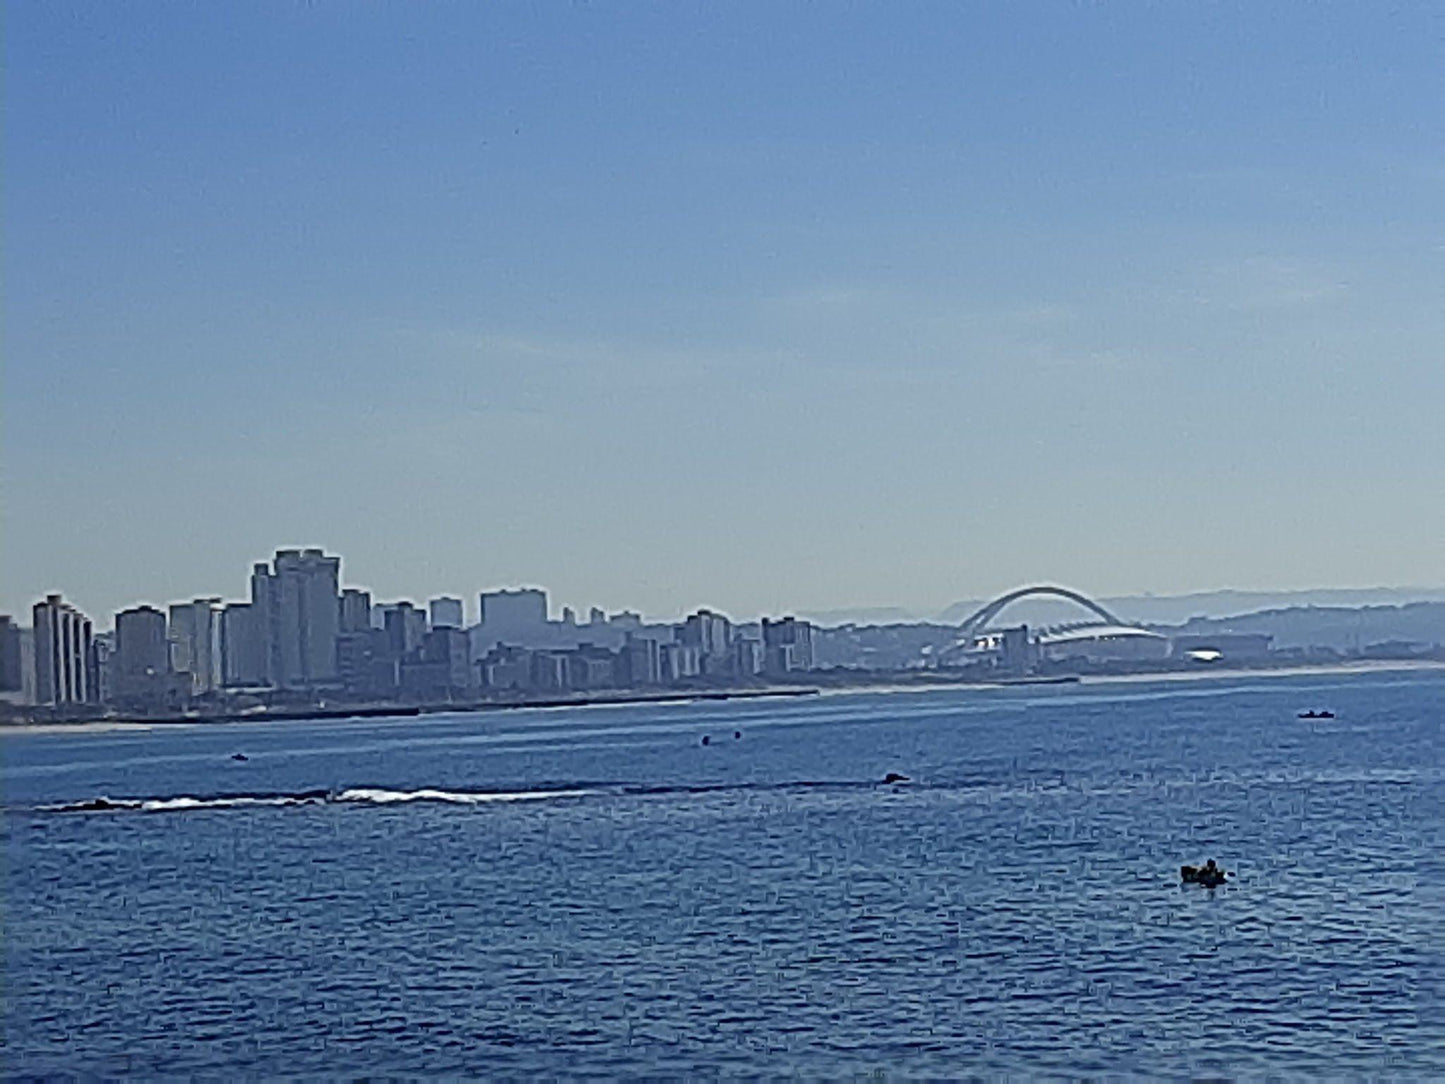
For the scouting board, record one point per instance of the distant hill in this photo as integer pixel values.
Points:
(1343, 628)
(874, 615)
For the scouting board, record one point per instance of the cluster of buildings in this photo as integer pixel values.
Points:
(303, 638)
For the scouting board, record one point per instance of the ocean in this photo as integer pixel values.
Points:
(598, 892)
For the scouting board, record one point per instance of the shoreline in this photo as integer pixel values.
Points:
(399, 711)
(419, 712)
(1361, 666)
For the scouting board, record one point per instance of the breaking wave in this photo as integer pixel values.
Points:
(384, 797)
(354, 795)
(388, 797)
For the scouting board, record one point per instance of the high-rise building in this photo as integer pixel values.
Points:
(140, 641)
(446, 613)
(441, 668)
(640, 661)
(181, 636)
(592, 667)
(514, 616)
(63, 664)
(711, 634)
(244, 654)
(27, 666)
(511, 617)
(11, 680)
(549, 670)
(140, 669)
(366, 666)
(355, 610)
(405, 627)
(748, 656)
(209, 655)
(102, 650)
(299, 604)
(195, 642)
(506, 669)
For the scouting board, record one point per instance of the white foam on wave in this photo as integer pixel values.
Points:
(176, 805)
(388, 797)
(372, 795)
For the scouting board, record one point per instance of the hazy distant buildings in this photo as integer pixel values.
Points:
(62, 654)
(679, 662)
(748, 656)
(445, 613)
(711, 635)
(787, 646)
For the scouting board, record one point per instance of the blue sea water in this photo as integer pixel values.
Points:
(596, 892)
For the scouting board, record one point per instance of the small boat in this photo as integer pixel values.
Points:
(1209, 875)
(1315, 715)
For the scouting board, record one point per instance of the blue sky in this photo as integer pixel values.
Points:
(761, 306)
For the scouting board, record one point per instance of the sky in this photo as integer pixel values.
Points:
(762, 306)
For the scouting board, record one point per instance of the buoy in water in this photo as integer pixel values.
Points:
(706, 740)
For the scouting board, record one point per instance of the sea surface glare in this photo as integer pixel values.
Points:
(596, 892)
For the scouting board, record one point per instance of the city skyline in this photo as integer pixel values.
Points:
(304, 640)
(467, 596)
(772, 306)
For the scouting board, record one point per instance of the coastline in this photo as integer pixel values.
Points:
(401, 711)
(1361, 666)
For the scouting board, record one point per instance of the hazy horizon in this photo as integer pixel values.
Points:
(765, 308)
